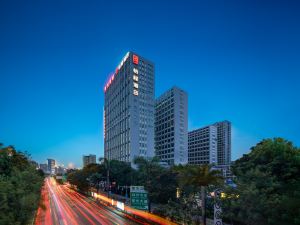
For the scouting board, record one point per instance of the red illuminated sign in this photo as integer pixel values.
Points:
(112, 77)
(135, 59)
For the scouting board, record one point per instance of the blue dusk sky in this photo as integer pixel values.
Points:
(238, 60)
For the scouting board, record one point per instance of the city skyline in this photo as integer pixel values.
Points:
(52, 86)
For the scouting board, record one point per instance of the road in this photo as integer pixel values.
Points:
(63, 206)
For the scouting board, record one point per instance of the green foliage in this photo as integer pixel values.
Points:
(180, 211)
(160, 182)
(20, 185)
(198, 176)
(194, 179)
(120, 172)
(268, 185)
(81, 178)
(91, 175)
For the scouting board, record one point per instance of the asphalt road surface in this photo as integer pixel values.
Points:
(63, 206)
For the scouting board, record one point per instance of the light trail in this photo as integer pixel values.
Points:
(61, 219)
(140, 213)
(66, 207)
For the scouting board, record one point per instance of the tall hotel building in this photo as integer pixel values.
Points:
(129, 110)
(224, 142)
(171, 127)
(202, 146)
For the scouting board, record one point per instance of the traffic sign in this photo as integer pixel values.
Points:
(138, 197)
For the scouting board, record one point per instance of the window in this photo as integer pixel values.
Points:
(135, 78)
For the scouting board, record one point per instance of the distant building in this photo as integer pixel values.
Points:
(44, 167)
(51, 166)
(88, 159)
(224, 142)
(60, 170)
(202, 146)
(129, 110)
(171, 127)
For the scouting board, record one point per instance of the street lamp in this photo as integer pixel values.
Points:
(177, 193)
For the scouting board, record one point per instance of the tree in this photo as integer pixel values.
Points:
(121, 172)
(164, 187)
(20, 186)
(147, 175)
(106, 164)
(199, 177)
(81, 178)
(95, 179)
(268, 185)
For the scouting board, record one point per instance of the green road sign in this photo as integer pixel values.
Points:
(138, 197)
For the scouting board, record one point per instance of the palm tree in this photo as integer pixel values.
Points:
(199, 177)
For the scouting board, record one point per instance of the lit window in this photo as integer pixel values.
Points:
(135, 78)
(135, 70)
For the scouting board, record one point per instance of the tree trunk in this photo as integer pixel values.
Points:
(203, 195)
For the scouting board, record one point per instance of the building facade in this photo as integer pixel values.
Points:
(225, 171)
(51, 166)
(202, 146)
(224, 142)
(44, 167)
(88, 159)
(129, 110)
(60, 170)
(171, 127)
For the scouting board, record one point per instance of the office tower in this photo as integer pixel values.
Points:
(171, 127)
(129, 110)
(224, 142)
(88, 159)
(202, 146)
(51, 166)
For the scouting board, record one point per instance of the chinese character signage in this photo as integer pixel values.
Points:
(135, 81)
(135, 59)
(138, 197)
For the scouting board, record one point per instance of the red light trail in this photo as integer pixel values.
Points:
(62, 206)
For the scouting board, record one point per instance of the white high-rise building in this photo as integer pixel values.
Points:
(202, 146)
(171, 127)
(129, 110)
(224, 142)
